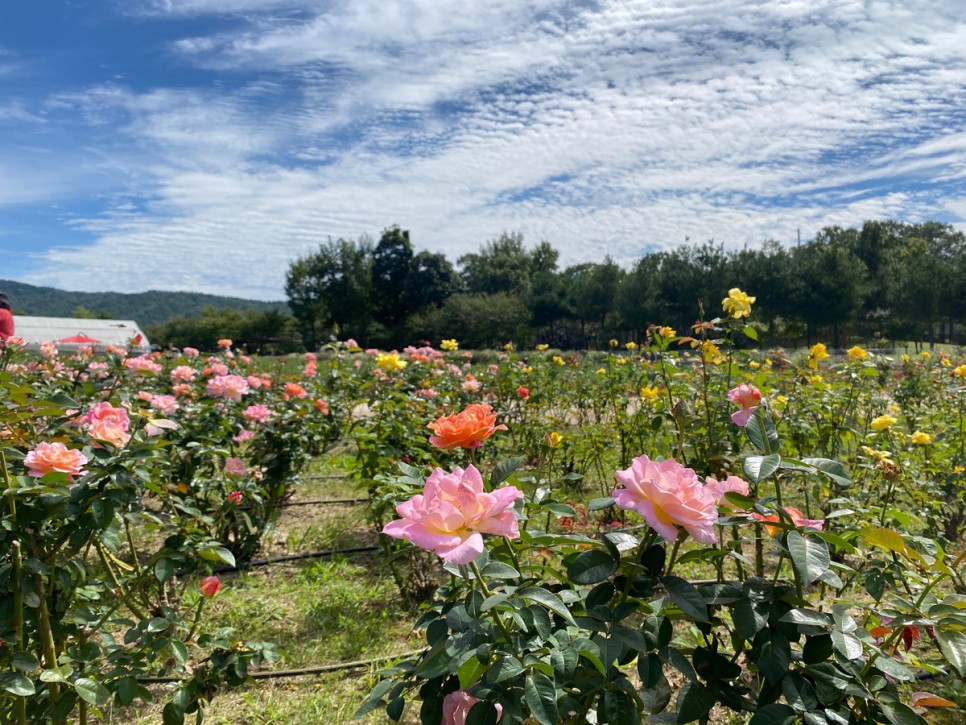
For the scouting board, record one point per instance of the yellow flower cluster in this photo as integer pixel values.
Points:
(449, 345)
(921, 439)
(737, 304)
(557, 360)
(390, 361)
(542, 346)
(631, 345)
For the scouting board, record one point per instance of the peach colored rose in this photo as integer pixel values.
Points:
(668, 496)
(54, 458)
(108, 424)
(797, 517)
(466, 429)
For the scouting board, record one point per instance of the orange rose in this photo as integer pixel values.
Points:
(466, 429)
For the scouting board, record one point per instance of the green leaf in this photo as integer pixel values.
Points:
(899, 714)
(102, 510)
(482, 713)
(889, 666)
(696, 702)
(885, 539)
(833, 469)
(953, 646)
(91, 691)
(499, 570)
(541, 697)
(56, 674)
(807, 617)
(470, 671)
(127, 690)
(590, 567)
(687, 597)
(773, 654)
(24, 661)
(750, 332)
(505, 668)
(846, 644)
(16, 684)
(774, 714)
(219, 554)
(598, 504)
(548, 599)
(394, 709)
(504, 469)
(809, 554)
(757, 468)
(164, 569)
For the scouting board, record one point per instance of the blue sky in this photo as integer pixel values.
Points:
(174, 144)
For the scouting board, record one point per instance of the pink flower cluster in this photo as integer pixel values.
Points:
(257, 413)
(451, 514)
(142, 365)
(183, 374)
(232, 387)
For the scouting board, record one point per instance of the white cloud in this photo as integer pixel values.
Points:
(601, 127)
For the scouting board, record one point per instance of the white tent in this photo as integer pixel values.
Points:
(71, 333)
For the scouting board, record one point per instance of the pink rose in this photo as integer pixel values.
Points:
(142, 365)
(183, 374)
(166, 404)
(749, 398)
(668, 495)
(190, 352)
(451, 514)
(257, 413)
(235, 467)
(242, 436)
(720, 488)
(209, 586)
(54, 458)
(232, 387)
(235, 498)
(108, 424)
(457, 705)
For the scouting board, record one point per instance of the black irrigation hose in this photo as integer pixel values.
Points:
(292, 557)
(317, 670)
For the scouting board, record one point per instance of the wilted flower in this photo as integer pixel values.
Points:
(451, 514)
(466, 429)
(54, 458)
(749, 398)
(737, 304)
(668, 495)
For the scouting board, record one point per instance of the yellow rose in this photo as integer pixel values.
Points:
(557, 360)
(449, 345)
(542, 346)
(961, 371)
(650, 393)
(737, 304)
(857, 353)
(921, 439)
(631, 346)
(816, 355)
(389, 361)
(553, 439)
(666, 331)
(881, 423)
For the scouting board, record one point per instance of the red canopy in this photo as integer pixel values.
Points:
(80, 339)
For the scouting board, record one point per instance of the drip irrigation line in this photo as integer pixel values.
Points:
(317, 670)
(293, 557)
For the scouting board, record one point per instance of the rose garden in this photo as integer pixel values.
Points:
(684, 528)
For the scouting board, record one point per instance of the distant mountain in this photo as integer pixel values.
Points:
(145, 308)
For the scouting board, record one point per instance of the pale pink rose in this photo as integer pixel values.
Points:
(235, 467)
(48, 349)
(218, 368)
(108, 424)
(144, 395)
(257, 413)
(244, 360)
(166, 404)
(309, 370)
(351, 343)
(309, 356)
(720, 488)
(749, 398)
(451, 514)
(54, 457)
(668, 495)
(118, 350)
(471, 386)
(182, 390)
(357, 364)
(493, 368)
(254, 382)
(183, 374)
(142, 365)
(372, 351)
(97, 366)
(232, 387)
(242, 436)
(457, 706)
(428, 393)
(190, 352)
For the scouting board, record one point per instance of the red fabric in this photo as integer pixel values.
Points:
(6, 324)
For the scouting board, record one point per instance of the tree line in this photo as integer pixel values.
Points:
(885, 280)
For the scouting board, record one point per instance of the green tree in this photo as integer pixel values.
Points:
(392, 263)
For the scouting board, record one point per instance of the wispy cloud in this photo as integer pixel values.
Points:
(603, 127)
